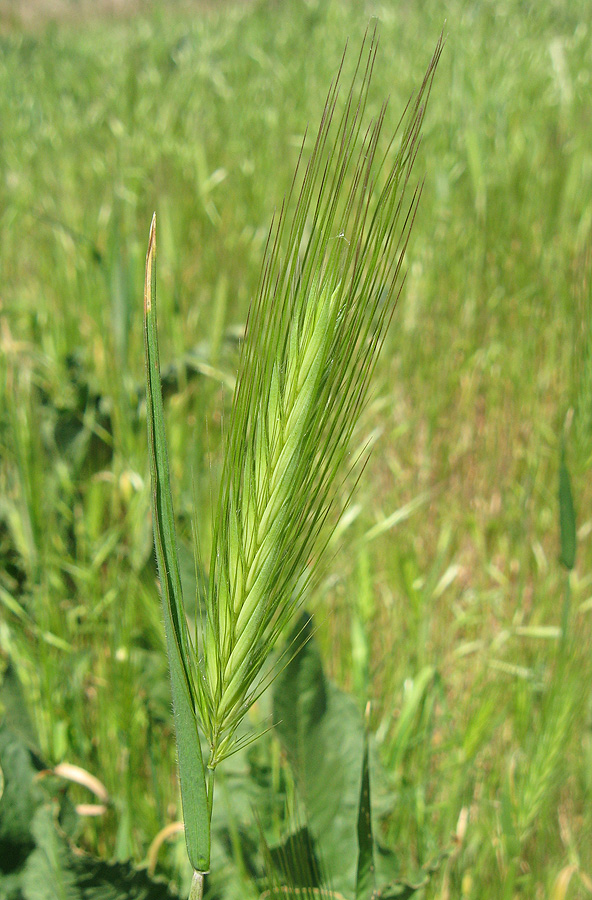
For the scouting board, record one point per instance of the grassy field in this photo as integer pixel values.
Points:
(444, 600)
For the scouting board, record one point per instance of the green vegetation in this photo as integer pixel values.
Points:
(456, 599)
(329, 282)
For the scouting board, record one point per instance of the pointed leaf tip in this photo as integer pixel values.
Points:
(150, 261)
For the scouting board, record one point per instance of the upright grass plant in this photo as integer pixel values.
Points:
(471, 392)
(330, 278)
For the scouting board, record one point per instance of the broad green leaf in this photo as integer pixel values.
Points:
(99, 880)
(13, 709)
(191, 768)
(46, 875)
(404, 888)
(295, 861)
(323, 733)
(567, 516)
(54, 872)
(20, 798)
(36, 860)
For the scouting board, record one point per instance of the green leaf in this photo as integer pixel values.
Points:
(567, 516)
(20, 798)
(366, 877)
(191, 769)
(323, 733)
(99, 880)
(295, 860)
(46, 875)
(36, 860)
(404, 888)
(13, 708)
(54, 872)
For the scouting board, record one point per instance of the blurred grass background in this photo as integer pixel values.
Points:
(444, 604)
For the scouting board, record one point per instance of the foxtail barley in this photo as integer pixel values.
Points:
(328, 287)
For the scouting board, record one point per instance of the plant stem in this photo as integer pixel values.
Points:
(197, 886)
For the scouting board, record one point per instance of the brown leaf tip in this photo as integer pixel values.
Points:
(149, 265)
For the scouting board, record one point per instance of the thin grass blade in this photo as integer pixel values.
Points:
(365, 879)
(567, 516)
(191, 767)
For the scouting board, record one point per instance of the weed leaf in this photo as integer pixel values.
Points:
(323, 733)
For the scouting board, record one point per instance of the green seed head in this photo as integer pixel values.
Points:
(327, 291)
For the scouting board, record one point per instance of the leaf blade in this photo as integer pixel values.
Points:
(191, 767)
(365, 877)
(567, 516)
